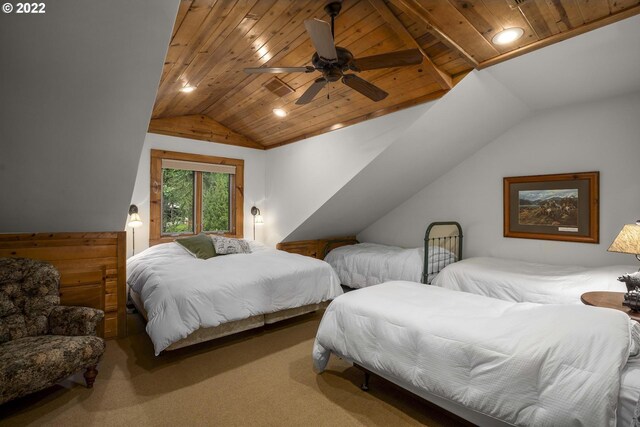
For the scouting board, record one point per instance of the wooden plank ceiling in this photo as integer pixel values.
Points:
(214, 40)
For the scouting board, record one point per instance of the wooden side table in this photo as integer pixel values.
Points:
(609, 300)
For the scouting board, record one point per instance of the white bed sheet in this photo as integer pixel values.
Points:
(521, 363)
(519, 281)
(629, 398)
(367, 264)
(182, 293)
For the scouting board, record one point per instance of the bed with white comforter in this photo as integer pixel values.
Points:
(493, 362)
(520, 281)
(367, 264)
(182, 293)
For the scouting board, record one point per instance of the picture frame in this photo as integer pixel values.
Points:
(562, 207)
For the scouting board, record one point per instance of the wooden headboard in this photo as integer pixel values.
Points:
(316, 248)
(92, 269)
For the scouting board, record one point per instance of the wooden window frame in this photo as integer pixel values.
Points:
(155, 195)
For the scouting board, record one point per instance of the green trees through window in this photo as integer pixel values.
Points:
(195, 193)
(216, 201)
(178, 201)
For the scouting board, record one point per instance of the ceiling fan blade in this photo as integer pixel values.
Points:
(260, 70)
(400, 58)
(322, 39)
(313, 90)
(369, 90)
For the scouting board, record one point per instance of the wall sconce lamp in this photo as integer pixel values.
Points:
(257, 219)
(134, 222)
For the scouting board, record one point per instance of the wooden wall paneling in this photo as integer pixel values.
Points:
(316, 248)
(197, 30)
(436, 73)
(200, 127)
(397, 107)
(486, 22)
(249, 123)
(213, 40)
(218, 58)
(278, 51)
(593, 10)
(327, 116)
(417, 12)
(537, 17)
(121, 284)
(244, 102)
(562, 36)
(297, 52)
(92, 269)
(380, 42)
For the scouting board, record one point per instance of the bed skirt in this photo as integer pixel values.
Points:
(207, 334)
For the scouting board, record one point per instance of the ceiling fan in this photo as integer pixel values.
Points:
(334, 62)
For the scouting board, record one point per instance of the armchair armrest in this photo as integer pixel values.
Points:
(74, 321)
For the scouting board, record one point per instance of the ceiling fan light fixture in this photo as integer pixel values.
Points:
(279, 112)
(507, 36)
(187, 89)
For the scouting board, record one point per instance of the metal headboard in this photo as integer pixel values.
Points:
(451, 242)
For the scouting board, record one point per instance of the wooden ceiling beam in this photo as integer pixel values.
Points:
(201, 127)
(420, 14)
(610, 19)
(443, 79)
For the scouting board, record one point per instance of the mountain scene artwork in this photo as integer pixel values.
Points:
(557, 207)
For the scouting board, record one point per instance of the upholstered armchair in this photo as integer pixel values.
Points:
(42, 342)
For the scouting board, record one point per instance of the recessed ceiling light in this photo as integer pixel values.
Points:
(507, 36)
(279, 112)
(187, 89)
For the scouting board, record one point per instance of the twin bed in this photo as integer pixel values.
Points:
(516, 347)
(478, 357)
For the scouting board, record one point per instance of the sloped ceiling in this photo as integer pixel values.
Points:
(78, 84)
(483, 106)
(214, 40)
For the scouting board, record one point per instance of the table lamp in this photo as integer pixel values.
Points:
(628, 242)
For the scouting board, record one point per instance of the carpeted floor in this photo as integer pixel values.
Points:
(259, 378)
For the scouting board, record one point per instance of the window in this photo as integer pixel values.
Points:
(192, 193)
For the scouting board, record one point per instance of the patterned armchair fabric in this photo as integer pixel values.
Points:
(41, 342)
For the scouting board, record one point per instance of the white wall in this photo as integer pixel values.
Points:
(254, 179)
(471, 115)
(600, 135)
(77, 85)
(302, 176)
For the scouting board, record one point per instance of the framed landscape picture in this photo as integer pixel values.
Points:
(552, 207)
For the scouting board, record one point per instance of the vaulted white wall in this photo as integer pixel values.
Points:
(486, 104)
(77, 85)
(302, 176)
(601, 135)
(471, 115)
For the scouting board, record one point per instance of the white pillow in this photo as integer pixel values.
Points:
(226, 246)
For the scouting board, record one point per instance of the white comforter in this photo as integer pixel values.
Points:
(182, 293)
(520, 281)
(367, 264)
(522, 363)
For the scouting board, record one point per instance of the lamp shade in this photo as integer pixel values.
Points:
(258, 219)
(628, 240)
(134, 220)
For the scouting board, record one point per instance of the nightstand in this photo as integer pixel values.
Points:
(609, 300)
